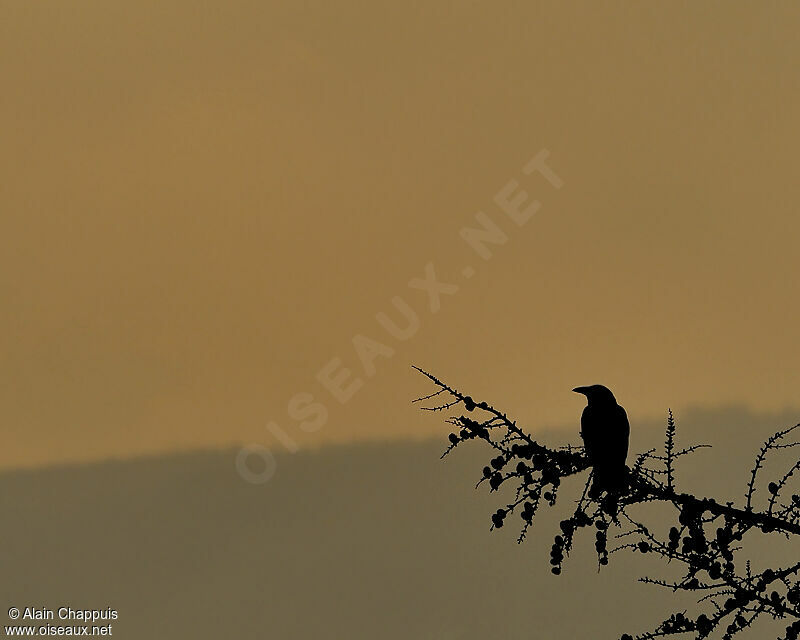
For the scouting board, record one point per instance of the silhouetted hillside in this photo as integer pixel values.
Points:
(368, 541)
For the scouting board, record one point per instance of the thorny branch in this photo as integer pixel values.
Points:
(705, 540)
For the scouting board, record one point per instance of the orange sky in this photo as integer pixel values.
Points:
(204, 203)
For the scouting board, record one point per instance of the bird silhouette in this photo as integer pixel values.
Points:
(605, 432)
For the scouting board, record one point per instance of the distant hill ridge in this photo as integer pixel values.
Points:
(360, 541)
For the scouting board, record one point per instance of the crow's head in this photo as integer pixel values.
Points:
(597, 393)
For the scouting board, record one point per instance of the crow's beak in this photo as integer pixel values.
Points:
(580, 390)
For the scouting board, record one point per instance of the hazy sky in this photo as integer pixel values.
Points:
(203, 203)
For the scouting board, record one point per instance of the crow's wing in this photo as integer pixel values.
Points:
(619, 432)
(592, 433)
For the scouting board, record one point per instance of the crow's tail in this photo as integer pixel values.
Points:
(611, 480)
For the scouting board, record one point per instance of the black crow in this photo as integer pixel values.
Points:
(605, 432)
